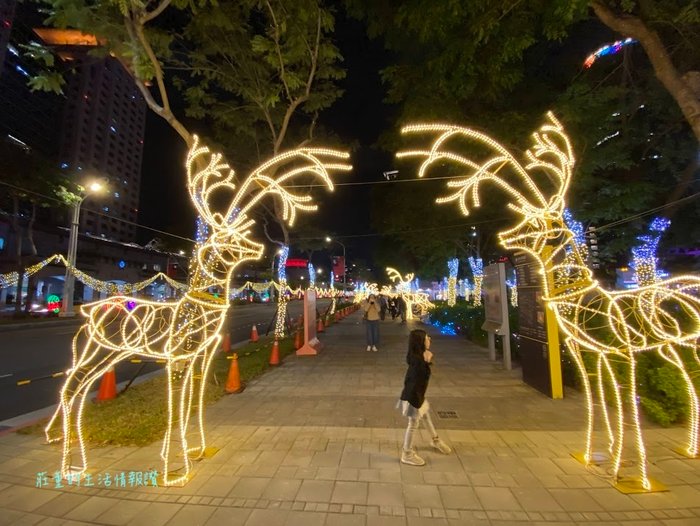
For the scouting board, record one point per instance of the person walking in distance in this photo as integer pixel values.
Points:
(383, 306)
(413, 403)
(401, 301)
(371, 317)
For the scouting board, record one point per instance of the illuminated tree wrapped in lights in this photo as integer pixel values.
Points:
(644, 256)
(312, 276)
(611, 327)
(185, 333)
(333, 293)
(477, 266)
(282, 298)
(513, 286)
(452, 267)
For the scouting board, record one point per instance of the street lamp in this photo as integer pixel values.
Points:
(329, 240)
(69, 282)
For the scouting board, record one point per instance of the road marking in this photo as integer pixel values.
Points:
(5, 375)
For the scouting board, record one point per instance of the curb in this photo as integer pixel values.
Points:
(39, 324)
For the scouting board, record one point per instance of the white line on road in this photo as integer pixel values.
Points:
(5, 375)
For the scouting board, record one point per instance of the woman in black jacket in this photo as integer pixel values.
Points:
(413, 403)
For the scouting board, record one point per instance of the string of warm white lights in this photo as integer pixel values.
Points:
(612, 327)
(452, 267)
(11, 279)
(184, 333)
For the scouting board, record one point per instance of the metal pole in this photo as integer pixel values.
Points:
(345, 264)
(69, 281)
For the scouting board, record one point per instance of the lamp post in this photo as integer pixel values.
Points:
(69, 283)
(329, 240)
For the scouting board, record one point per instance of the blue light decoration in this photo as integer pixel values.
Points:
(332, 311)
(312, 276)
(513, 285)
(576, 227)
(446, 328)
(282, 268)
(122, 264)
(608, 49)
(477, 266)
(644, 260)
(452, 268)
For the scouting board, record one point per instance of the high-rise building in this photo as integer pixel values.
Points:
(30, 120)
(102, 137)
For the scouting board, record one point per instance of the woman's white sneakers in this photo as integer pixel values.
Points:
(369, 348)
(374, 348)
(441, 446)
(411, 458)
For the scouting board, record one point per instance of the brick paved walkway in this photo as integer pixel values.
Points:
(316, 441)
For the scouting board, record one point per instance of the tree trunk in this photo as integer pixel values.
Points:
(666, 72)
(32, 280)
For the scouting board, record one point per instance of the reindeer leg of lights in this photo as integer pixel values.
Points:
(573, 348)
(669, 354)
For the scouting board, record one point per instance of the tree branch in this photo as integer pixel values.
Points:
(283, 73)
(157, 11)
(664, 68)
(136, 33)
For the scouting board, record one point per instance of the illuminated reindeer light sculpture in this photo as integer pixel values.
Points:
(184, 333)
(610, 327)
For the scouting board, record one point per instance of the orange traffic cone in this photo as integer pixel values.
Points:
(319, 325)
(275, 354)
(108, 386)
(298, 340)
(233, 381)
(226, 343)
(254, 334)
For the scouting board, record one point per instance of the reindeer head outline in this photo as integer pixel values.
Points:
(228, 243)
(540, 211)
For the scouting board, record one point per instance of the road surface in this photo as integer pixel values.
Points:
(28, 354)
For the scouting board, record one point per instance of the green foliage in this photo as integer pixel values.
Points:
(139, 416)
(661, 389)
(466, 319)
(259, 72)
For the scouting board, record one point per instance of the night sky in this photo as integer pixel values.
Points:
(358, 118)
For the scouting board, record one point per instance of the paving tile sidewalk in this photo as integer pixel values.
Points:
(316, 441)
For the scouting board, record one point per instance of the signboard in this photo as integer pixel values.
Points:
(311, 343)
(539, 336)
(493, 289)
(298, 263)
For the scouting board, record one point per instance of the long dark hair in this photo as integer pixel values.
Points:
(416, 345)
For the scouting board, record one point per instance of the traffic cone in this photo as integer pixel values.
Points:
(108, 386)
(319, 325)
(226, 343)
(233, 381)
(275, 354)
(298, 340)
(254, 334)
(337, 315)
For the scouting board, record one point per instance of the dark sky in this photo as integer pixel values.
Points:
(358, 118)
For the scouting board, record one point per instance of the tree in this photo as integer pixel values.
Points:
(259, 74)
(500, 65)
(29, 180)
